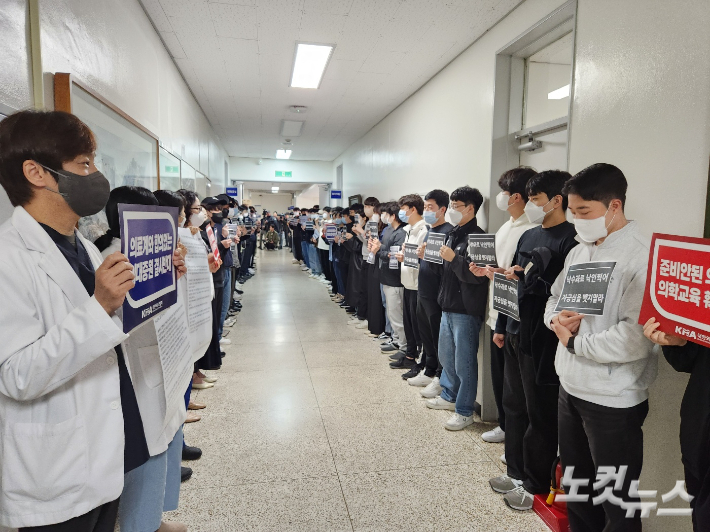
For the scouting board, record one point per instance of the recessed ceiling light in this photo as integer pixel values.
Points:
(283, 154)
(309, 65)
(291, 128)
(562, 92)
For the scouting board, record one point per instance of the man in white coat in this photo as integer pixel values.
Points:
(61, 402)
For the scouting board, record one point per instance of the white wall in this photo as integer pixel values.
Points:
(441, 136)
(249, 169)
(15, 69)
(308, 198)
(271, 202)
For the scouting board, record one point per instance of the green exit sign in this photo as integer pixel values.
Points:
(172, 169)
(279, 173)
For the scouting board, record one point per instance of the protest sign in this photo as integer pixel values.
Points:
(373, 230)
(330, 231)
(433, 247)
(411, 258)
(213, 242)
(505, 296)
(482, 250)
(585, 288)
(148, 239)
(678, 287)
(394, 263)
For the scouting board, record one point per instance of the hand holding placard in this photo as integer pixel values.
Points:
(114, 278)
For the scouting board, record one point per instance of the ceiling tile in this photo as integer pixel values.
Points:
(234, 21)
(157, 15)
(173, 44)
(336, 7)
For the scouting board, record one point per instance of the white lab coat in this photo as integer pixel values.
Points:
(160, 421)
(61, 452)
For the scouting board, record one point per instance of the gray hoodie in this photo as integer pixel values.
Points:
(614, 362)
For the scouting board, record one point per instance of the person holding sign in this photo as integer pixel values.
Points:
(511, 199)
(391, 279)
(693, 358)
(462, 297)
(70, 422)
(604, 362)
(411, 209)
(530, 382)
(428, 309)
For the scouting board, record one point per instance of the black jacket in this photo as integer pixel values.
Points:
(396, 237)
(462, 292)
(695, 408)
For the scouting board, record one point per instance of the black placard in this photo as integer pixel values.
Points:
(411, 259)
(433, 247)
(505, 296)
(585, 288)
(482, 250)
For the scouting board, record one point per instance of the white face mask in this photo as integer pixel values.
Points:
(455, 216)
(536, 214)
(197, 219)
(594, 229)
(385, 219)
(375, 217)
(231, 213)
(503, 200)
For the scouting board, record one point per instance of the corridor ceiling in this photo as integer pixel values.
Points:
(237, 58)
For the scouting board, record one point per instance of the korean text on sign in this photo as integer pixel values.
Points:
(585, 287)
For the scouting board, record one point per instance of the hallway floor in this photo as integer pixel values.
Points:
(308, 429)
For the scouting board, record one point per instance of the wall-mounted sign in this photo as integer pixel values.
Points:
(279, 173)
(233, 191)
(336, 194)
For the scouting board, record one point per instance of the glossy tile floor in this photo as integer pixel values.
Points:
(308, 429)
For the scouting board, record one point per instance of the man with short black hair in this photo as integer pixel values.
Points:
(428, 309)
(411, 209)
(462, 297)
(605, 363)
(531, 384)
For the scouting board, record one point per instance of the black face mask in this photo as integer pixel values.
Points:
(85, 194)
(217, 217)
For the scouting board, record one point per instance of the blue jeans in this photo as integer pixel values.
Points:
(151, 489)
(304, 251)
(314, 260)
(226, 298)
(458, 355)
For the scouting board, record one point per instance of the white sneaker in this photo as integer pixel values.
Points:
(229, 322)
(437, 403)
(236, 297)
(432, 389)
(420, 380)
(224, 341)
(294, 261)
(354, 321)
(304, 268)
(361, 325)
(502, 459)
(496, 435)
(312, 276)
(458, 422)
(251, 270)
(238, 285)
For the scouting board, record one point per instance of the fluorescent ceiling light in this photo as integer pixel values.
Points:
(283, 154)
(309, 65)
(274, 190)
(562, 92)
(291, 128)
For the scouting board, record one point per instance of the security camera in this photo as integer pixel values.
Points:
(530, 145)
(259, 161)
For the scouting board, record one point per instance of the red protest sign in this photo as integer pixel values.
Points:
(678, 287)
(213, 243)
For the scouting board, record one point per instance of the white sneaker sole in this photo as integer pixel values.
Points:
(439, 406)
(459, 427)
(497, 439)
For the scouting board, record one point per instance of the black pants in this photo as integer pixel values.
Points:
(429, 320)
(531, 420)
(247, 257)
(362, 293)
(497, 372)
(698, 485)
(411, 326)
(269, 245)
(592, 436)
(375, 309)
(101, 519)
(343, 268)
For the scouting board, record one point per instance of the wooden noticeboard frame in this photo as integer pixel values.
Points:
(62, 102)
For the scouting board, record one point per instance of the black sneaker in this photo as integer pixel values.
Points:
(405, 363)
(191, 453)
(397, 356)
(390, 348)
(411, 373)
(185, 473)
